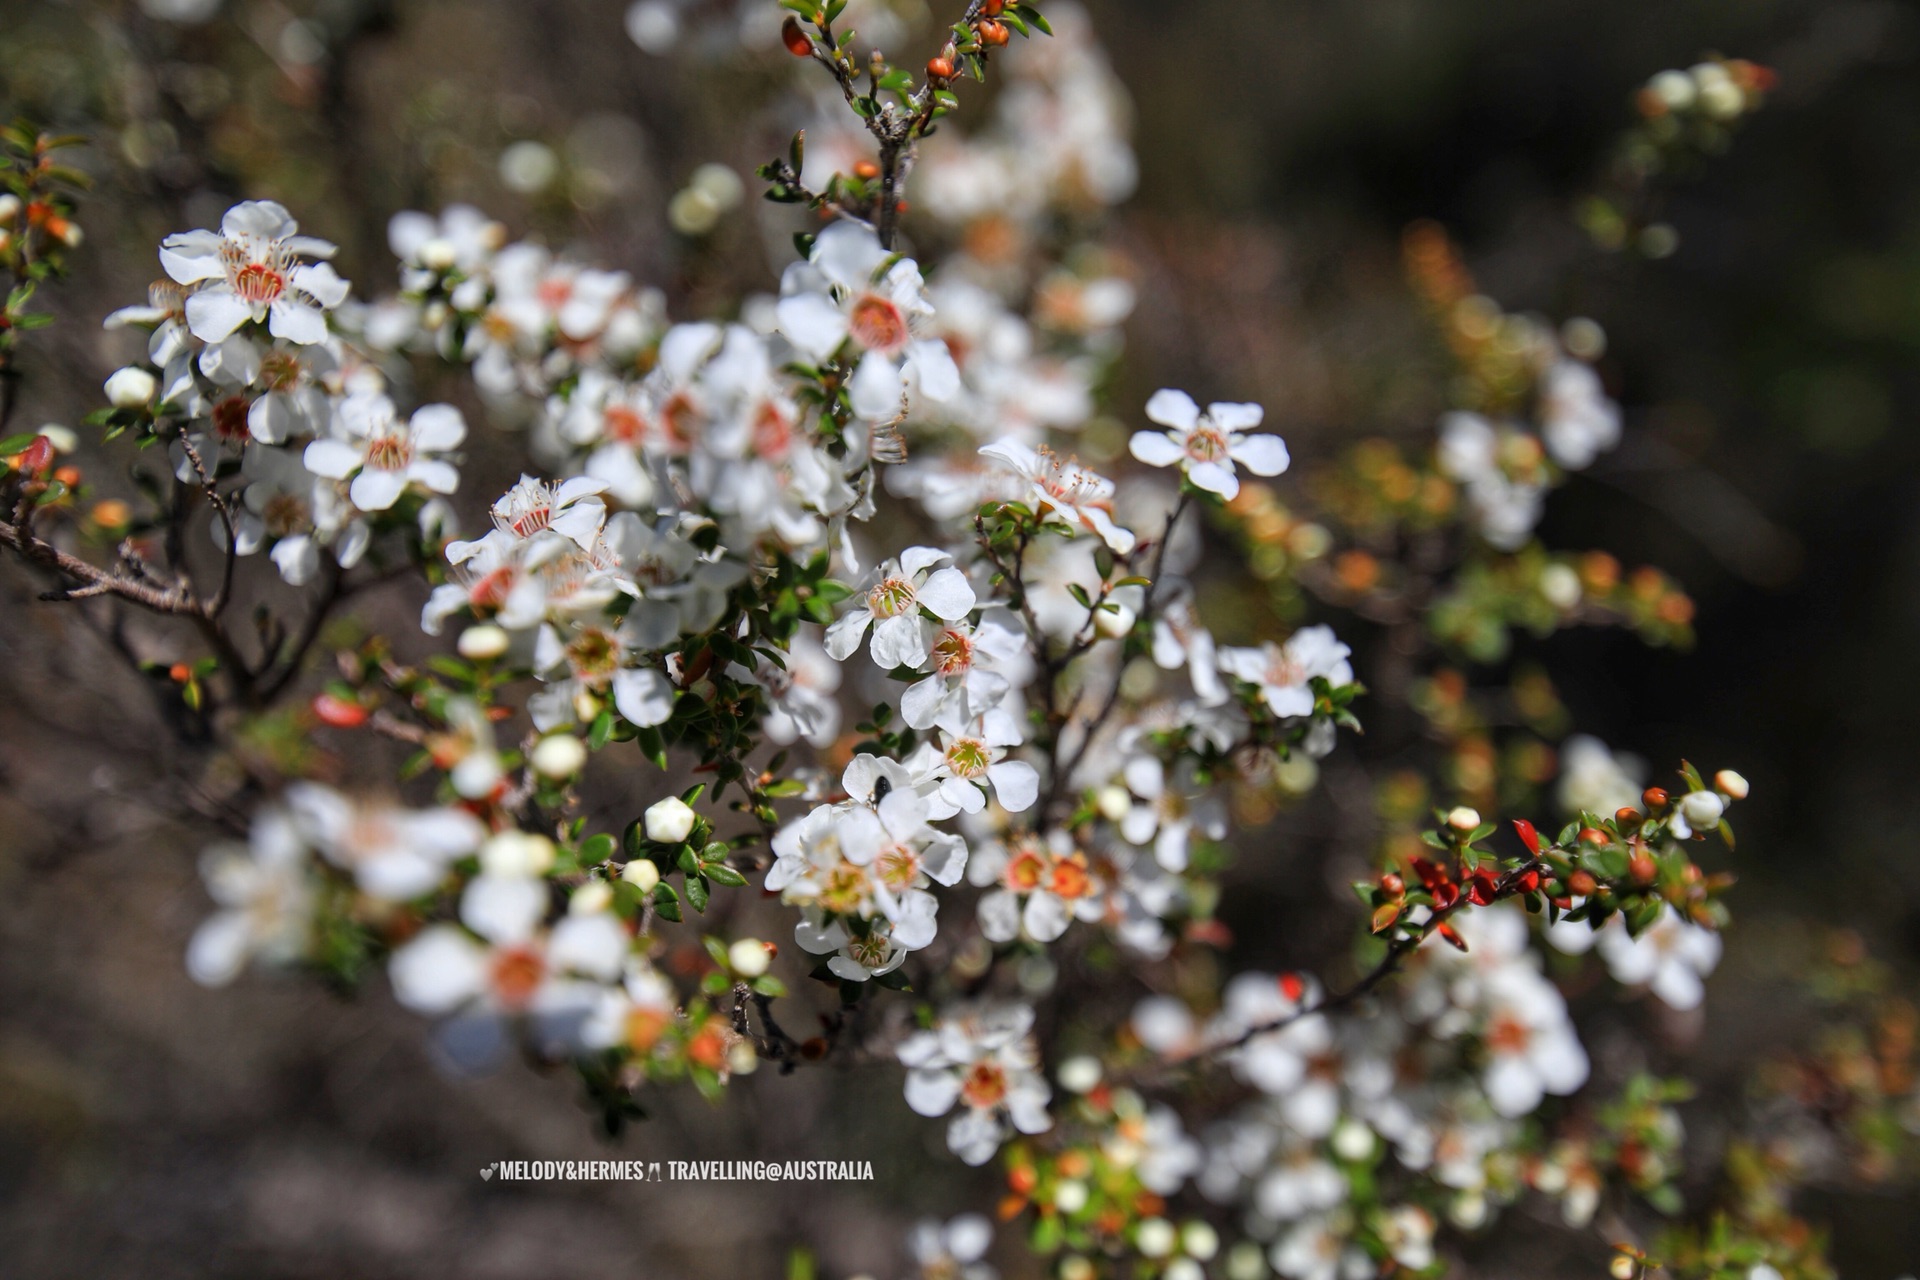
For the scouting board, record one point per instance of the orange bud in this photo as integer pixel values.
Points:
(866, 169)
(338, 712)
(993, 33)
(1654, 798)
(179, 673)
(1582, 883)
(939, 69)
(1627, 816)
(795, 39)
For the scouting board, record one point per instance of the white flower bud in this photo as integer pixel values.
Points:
(1070, 1196)
(438, 254)
(516, 853)
(9, 206)
(1560, 585)
(1200, 1240)
(669, 821)
(130, 388)
(641, 874)
(1184, 1269)
(1730, 784)
(1154, 1237)
(1112, 621)
(1622, 1267)
(1468, 1210)
(558, 756)
(1674, 89)
(748, 957)
(590, 898)
(586, 706)
(1352, 1141)
(742, 1058)
(483, 643)
(1114, 803)
(1463, 819)
(1245, 1262)
(1702, 809)
(1079, 1074)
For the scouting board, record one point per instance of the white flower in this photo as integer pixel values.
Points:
(393, 853)
(892, 607)
(1208, 445)
(1595, 780)
(1166, 814)
(1081, 497)
(973, 669)
(984, 1060)
(1284, 673)
(800, 701)
(952, 1250)
(1577, 420)
(867, 949)
(1671, 956)
(265, 892)
(1530, 1042)
(572, 509)
(251, 270)
(1045, 883)
(852, 288)
(963, 763)
(384, 456)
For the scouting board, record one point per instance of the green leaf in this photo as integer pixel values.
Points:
(698, 891)
(666, 902)
(721, 873)
(596, 849)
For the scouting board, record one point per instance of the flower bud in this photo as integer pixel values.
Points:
(1079, 1074)
(1200, 1240)
(1184, 1269)
(438, 254)
(483, 643)
(1353, 1141)
(9, 206)
(1154, 1237)
(641, 874)
(939, 69)
(1070, 1196)
(795, 39)
(1582, 884)
(1654, 798)
(748, 957)
(669, 821)
(1463, 818)
(590, 898)
(1702, 809)
(516, 853)
(1113, 621)
(1622, 1267)
(1113, 803)
(1730, 784)
(558, 756)
(130, 388)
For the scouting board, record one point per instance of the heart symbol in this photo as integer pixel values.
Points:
(487, 1173)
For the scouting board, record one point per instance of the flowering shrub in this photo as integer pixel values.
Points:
(832, 585)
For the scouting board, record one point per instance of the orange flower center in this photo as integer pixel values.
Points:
(877, 324)
(516, 975)
(985, 1085)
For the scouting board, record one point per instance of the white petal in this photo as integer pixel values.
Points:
(377, 490)
(1174, 409)
(213, 314)
(877, 389)
(643, 696)
(1215, 478)
(948, 593)
(296, 322)
(437, 428)
(812, 323)
(1016, 784)
(439, 970)
(1155, 448)
(1264, 455)
(932, 1093)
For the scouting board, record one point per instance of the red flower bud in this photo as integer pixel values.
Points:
(36, 457)
(338, 712)
(1654, 798)
(939, 69)
(1455, 940)
(994, 8)
(993, 33)
(1482, 889)
(1627, 816)
(795, 39)
(1582, 883)
(1592, 835)
(1392, 885)
(1292, 986)
(1529, 880)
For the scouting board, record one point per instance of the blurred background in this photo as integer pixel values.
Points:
(1766, 366)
